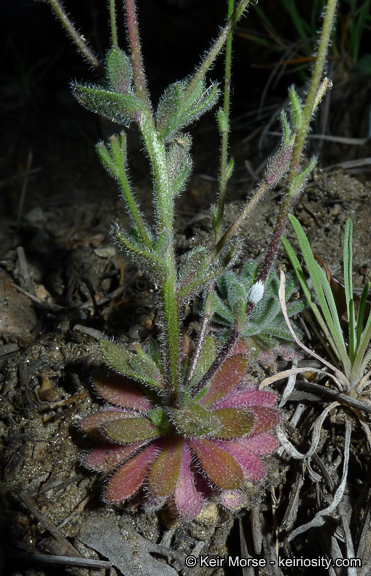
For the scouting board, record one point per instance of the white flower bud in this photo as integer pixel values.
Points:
(256, 292)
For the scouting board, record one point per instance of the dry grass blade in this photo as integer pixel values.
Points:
(291, 450)
(319, 518)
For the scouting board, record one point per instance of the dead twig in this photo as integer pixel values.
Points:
(64, 560)
(24, 270)
(30, 503)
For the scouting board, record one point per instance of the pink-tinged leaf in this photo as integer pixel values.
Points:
(109, 456)
(232, 499)
(188, 500)
(131, 476)
(131, 430)
(226, 379)
(241, 347)
(245, 398)
(92, 424)
(234, 423)
(165, 470)
(260, 444)
(220, 467)
(264, 418)
(118, 390)
(252, 467)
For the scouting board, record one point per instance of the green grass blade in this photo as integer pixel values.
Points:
(348, 283)
(361, 311)
(307, 293)
(348, 272)
(352, 331)
(333, 322)
(302, 27)
(361, 360)
(336, 340)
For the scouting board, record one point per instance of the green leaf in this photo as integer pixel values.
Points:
(194, 420)
(174, 112)
(169, 110)
(179, 163)
(235, 423)
(131, 430)
(119, 71)
(222, 121)
(139, 252)
(348, 285)
(295, 109)
(286, 129)
(193, 266)
(361, 310)
(165, 471)
(120, 108)
(159, 418)
(141, 362)
(299, 181)
(202, 100)
(121, 360)
(237, 300)
(230, 167)
(93, 423)
(207, 357)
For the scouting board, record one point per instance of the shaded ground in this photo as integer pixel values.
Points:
(62, 284)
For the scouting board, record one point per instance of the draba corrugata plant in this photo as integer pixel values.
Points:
(183, 422)
(207, 446)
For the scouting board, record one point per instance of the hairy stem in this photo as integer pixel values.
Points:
(112, 13)
(216, 47)
(310, 103)
(136, 53)
(75, 36)
(225, 129)
(314, 95)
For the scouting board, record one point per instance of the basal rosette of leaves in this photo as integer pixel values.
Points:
(209, 446)
(265, 328)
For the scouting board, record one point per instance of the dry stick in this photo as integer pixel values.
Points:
(24, 188)
(24, 270)
(319, 519)
(64, 560)
(30, 503)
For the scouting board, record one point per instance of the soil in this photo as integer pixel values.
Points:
(63, 284)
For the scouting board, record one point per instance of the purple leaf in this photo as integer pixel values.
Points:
(188, 500)
(244, 398)
(260, 444)
(118, 390)
(226, 379)
(131, 476)
(264, 418)
(93, 424)
(252, 467)
(109, 456)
